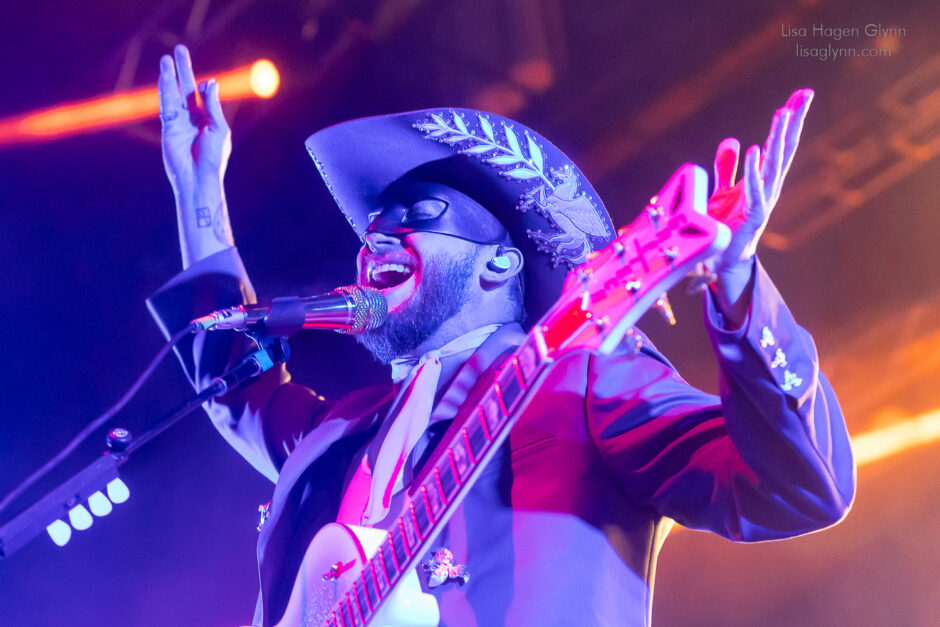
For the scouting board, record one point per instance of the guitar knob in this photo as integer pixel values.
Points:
(621, 252)
(655, 212)
(665, 308)
(584, 278)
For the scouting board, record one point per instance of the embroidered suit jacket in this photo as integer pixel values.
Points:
(565, 525)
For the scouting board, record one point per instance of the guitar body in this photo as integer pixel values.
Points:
(333, 561)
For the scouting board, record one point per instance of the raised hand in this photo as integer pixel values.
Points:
(746, 206)
(196, 143)
(196, 139)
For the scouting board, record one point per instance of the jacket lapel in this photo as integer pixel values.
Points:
(311, 476)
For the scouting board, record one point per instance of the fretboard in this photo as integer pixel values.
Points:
(445, 482)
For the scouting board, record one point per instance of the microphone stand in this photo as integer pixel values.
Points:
(93, 478)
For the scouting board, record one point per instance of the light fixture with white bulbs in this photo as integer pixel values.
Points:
(79, 518)
(118, 491)
(99, 504)
(94, 488)
(60, 532)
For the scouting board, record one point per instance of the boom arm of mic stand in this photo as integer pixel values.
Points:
(56, 504)
(270, 351)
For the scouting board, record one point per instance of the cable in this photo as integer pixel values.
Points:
(96, 423)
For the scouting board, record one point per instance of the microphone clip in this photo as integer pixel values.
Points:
(270, 351)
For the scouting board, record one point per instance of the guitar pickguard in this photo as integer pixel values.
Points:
(333, 562)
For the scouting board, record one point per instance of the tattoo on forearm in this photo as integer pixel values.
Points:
(221, 227)
(203, 217)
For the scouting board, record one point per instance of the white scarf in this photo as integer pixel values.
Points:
(413, 417)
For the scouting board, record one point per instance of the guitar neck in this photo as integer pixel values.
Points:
(446, 481)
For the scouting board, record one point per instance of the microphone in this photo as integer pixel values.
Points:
(351, 309)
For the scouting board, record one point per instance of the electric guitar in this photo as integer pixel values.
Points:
(357, 576)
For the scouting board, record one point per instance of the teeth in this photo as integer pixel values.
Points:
(389, 267)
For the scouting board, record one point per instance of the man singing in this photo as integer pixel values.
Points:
(469, 223)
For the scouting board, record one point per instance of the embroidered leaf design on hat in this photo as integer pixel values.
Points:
(458, 121)
(504, 159)
(508, 154)
(477, 150)
(521, 174)
(573, 217)
(486, 127)
(513, 157)
(534, 153)
(512, 140)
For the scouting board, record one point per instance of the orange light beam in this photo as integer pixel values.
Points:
(877, 444)
(258, 80)
(883, 442)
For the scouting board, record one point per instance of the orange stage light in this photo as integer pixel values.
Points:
(264, 78)
(882, 442)
(258, 80)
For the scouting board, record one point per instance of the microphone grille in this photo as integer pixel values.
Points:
(371, 308)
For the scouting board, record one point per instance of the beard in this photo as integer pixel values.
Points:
(441, 294)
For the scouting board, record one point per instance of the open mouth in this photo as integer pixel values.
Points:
(387, 275)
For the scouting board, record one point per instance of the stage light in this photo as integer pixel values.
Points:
(264, 78)
(258, 80)
(80, 518)
(883, 442)
(60, 532)
(118, 491)
(99, 504)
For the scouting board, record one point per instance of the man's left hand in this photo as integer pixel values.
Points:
(746, 206)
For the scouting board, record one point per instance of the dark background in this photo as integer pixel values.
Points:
(630, 90)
